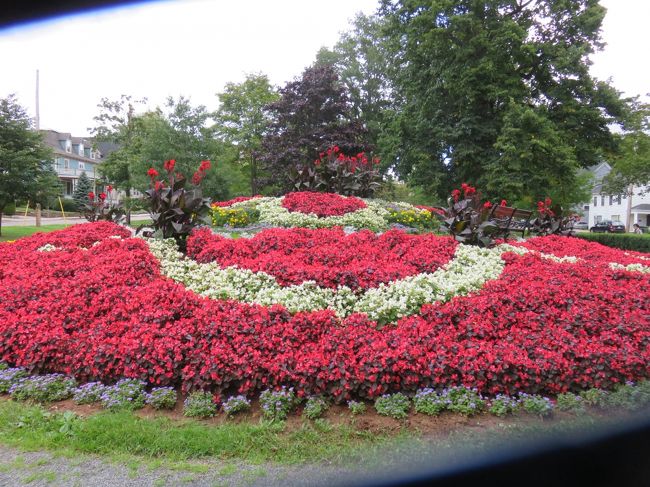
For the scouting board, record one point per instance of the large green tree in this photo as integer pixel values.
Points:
(631, 165)
(182, 131)
(481, 81)
(241, 120)
(25, 161)
(361, 59)
(117, 123)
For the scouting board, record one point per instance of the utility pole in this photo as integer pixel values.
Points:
(630, 195)
(38, 114)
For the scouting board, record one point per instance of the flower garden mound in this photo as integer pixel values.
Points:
(328, 257)
(321, 204)
(99, 308)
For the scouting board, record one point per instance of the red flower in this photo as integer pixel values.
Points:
(158, 186)
(455, 194)
(152, 173)
(109, 188)
(197, 177)
(102, 196)
(503, 203)
(169, 165)
(487, 205)
(205, 165)
(91, 196)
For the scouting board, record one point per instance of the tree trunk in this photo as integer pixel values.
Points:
(1, 210)
(253, 176)
(128, 208)
(630, 193)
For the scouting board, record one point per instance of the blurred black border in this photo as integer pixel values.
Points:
(614, 456)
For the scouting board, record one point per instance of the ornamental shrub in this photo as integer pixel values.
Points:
(315, 407)
(428, 401)
(89, 393)
(9, 377)
(570, 402)
(199, 404)
(43, 388)
(535, 404)
(394, 405)
(126, 394)
(623, 241)
(276, 405)
(161, 398)
(236, 404)
(463, 400)
(629, 396)
(503, 405)
(595, 397)
(356, 407)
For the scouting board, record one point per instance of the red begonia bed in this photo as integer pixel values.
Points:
(105, 311)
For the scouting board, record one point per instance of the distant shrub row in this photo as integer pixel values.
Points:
(626, 241)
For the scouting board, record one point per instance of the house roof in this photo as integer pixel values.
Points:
(641, 207)
(52, 138)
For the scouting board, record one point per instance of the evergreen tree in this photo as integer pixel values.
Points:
(80, 194)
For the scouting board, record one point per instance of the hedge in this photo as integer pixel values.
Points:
(623, 241)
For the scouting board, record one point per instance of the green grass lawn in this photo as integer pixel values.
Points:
(16, 232)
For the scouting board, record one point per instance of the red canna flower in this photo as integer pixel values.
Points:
(205, 165)
(169, 165)
(91, 196)
(152, 173)
(487, 205)
(455, 194)
(503, 203)
(102, 196)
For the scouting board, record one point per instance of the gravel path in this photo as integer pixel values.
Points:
(34, 469)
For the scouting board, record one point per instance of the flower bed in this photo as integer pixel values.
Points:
(107, 312)
(328, 257)
(321, 204)
(324, 210)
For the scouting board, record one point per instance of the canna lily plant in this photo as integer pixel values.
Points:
(174, 209)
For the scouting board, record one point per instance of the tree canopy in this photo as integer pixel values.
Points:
(312, 114)
(493, 90)
(26, 170)
(242, 121)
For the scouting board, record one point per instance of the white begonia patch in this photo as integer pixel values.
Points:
(272, 212)
(468, 271)
(631, 267)
(47, 248)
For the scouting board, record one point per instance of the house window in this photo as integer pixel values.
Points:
(595, 200)
(68, 188)
(611, 200)
(618, 199)
(599, 218)
(82, 166)
(68, 146)
(616, 218)
(602, 200)
(66, 163)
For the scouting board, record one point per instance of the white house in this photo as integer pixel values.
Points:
(72, 156)
(614, 208)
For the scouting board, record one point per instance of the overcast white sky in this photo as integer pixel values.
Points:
(193, 48)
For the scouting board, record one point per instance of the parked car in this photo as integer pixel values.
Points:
(581, 226)
(601, 227)
(616, 227)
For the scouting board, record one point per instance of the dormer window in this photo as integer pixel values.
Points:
(68, 146)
